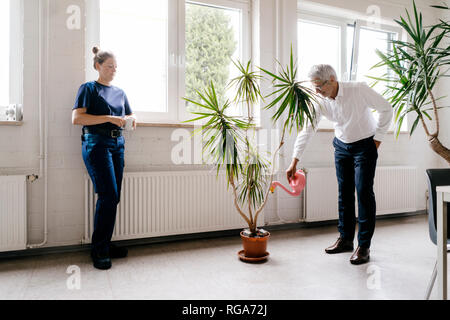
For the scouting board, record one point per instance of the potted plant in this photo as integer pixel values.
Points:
(415, 67)
(228, 141)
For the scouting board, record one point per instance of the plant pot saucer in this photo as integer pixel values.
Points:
(249, 259)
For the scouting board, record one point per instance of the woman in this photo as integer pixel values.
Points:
(103, 110)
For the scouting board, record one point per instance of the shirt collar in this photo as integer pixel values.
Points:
(340, 93)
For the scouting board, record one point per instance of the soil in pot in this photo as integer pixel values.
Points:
(255, 245)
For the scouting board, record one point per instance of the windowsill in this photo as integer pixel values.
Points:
(332, 130)
(172, 125)
(11, 123)
(186, 125)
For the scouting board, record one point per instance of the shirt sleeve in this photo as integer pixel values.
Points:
(128, 110)
(84, 97)
(376, 101)
(305, 135)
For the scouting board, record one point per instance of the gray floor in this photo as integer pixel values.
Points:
(402, 260)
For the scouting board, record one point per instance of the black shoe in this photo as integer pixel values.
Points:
(360, 256)
(101, 261)
(117, 252)
(341, 245)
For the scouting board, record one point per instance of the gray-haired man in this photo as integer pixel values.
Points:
(357, 138)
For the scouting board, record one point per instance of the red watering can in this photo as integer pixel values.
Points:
(297, 183)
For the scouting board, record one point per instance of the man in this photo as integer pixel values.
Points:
(357, 138)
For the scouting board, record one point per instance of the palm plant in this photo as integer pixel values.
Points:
(416, 66)
(249, 173)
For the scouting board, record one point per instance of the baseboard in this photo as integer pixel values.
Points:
(184, 237)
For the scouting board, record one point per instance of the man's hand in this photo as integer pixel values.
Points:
(377, 143)
(290, 172)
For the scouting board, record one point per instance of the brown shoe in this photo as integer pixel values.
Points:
(341, 245)
(360, 256)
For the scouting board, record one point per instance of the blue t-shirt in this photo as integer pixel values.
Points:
(99, 99)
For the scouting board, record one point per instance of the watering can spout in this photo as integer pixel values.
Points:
(297, 184)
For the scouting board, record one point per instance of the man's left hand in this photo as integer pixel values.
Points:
(377, 143)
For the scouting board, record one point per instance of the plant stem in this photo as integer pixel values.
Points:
(248, 166)
(436, 116)
(236, 204)
(271, 175)
(424, 126)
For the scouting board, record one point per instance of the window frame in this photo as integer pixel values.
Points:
(176, 111)
(359, 24)
(246, 50)
(331, 21)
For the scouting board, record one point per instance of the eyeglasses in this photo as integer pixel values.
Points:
(321, 86)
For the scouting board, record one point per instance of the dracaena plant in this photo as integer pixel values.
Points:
(229, 140)
(415, 67)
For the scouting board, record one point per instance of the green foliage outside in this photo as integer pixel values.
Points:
(210, 45)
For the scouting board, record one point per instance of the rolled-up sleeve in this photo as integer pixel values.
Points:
(305, 135)
(376, 101)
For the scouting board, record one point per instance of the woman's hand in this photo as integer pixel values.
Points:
(134, 120)
(118, 121)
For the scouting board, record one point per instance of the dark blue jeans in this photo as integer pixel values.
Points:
(104, 159)
(355, 167)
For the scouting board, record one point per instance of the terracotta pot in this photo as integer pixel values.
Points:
(255, 247)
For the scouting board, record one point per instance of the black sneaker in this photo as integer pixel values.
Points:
(117, 252)
(101, 261)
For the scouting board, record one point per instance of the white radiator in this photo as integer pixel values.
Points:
(394, 188)
(168, 203)
(13, 213)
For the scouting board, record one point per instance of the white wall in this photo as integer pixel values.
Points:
(149, 148)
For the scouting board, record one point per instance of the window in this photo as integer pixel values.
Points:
(140, 43)
(348, 46)
(326, 39)
(364, 53)
(322, 40)
(167, 49)
(213, 39)
(11, 54)
(4, 53)
(141, 34)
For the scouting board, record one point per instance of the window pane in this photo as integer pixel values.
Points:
(4, 53)
(317, 44)
(136, 31)
(369, 41)
(213, 38)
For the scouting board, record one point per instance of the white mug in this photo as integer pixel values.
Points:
(129, 124)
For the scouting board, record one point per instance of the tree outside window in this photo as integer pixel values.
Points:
(211, 42)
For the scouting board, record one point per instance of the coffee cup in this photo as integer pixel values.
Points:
(129, 124)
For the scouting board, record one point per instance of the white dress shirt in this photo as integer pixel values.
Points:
(351, 112)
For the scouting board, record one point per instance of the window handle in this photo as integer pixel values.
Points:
(181, 60)
(173, 59)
